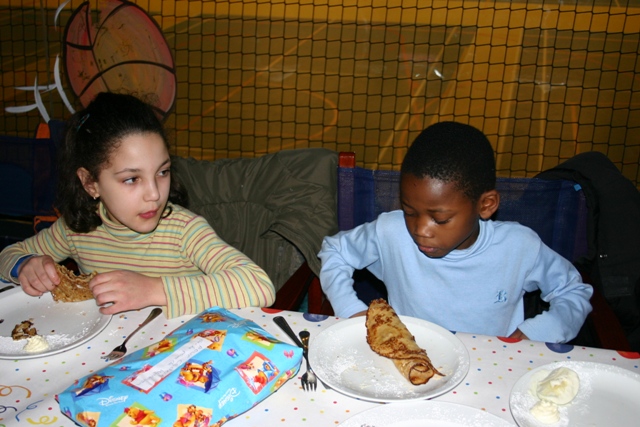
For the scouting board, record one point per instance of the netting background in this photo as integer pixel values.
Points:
(544, 80)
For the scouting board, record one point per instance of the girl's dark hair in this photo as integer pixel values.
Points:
(91, 137)
(453, 152)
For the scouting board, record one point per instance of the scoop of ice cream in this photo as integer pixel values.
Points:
(560, 386)
(36, 344)
(536, 377)
(545, 412)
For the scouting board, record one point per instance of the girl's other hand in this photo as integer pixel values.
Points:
(37, 275)
(121, 290)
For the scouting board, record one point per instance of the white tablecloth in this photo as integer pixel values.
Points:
(28, 387)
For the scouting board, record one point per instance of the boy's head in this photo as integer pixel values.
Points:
(453, 152)
(448, 180)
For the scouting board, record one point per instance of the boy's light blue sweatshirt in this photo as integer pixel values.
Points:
(476, 290)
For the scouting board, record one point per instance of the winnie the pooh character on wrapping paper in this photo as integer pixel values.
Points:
(88, 418)
(257, 371)
(202, 375)
(141, 417)
(93, 383)
(212, 318)
(216, 337)
(193, 416)
(256, 337)
(162, 346)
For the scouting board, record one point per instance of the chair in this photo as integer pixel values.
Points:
(556, 210)
(28, 169)
(276, 209)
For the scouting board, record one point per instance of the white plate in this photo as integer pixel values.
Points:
(608, 396)
(426, 413)
(64, 325)
(341, 357)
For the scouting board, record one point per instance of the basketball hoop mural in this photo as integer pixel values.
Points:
(123, 51)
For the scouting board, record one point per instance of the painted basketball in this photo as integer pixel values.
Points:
(123, 51)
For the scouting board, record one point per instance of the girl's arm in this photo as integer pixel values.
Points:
(230, 279)
(50, 241)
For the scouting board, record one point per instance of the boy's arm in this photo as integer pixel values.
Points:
(561, 286)
(341, 255)
(230, 279)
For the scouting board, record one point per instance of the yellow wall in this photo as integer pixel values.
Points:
(544, 80)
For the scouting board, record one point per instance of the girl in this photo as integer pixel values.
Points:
(121, 217)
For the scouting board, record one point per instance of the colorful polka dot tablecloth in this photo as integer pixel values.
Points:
(28, 386)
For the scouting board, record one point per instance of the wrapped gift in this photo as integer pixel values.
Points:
(208, 371)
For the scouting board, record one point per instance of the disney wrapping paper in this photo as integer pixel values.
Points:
(208, 371)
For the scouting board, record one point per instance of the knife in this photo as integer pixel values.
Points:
(282, 322)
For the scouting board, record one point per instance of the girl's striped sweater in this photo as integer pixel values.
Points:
(198, 269)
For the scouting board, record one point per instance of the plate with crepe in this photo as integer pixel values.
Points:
(64, 325)
(426, 413)
(607, 395)
(342, 359)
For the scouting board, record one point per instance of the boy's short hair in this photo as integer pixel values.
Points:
(453, 152)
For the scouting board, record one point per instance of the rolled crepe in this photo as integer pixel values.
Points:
(389, 337)
(72, 288)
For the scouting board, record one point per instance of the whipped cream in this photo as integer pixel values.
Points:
(36, 344)
(545, 412)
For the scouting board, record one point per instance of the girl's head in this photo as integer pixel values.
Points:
(115, 150)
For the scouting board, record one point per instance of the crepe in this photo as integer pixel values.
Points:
(23, 330)
(389, 337)
(72, 287)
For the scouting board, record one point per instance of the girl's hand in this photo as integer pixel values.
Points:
(37, 275)
(121, 290)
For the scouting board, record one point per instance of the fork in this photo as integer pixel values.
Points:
(308, 380)
(121, 350)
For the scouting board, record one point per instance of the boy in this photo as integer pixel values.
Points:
(444, 260)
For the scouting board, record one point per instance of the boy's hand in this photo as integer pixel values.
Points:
(517, 334)
(121, 290)
(38, 275)
(361, 313)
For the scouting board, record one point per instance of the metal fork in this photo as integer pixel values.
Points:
(308, 379)
(121, 350)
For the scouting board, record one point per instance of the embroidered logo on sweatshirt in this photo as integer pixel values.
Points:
(501, 296)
